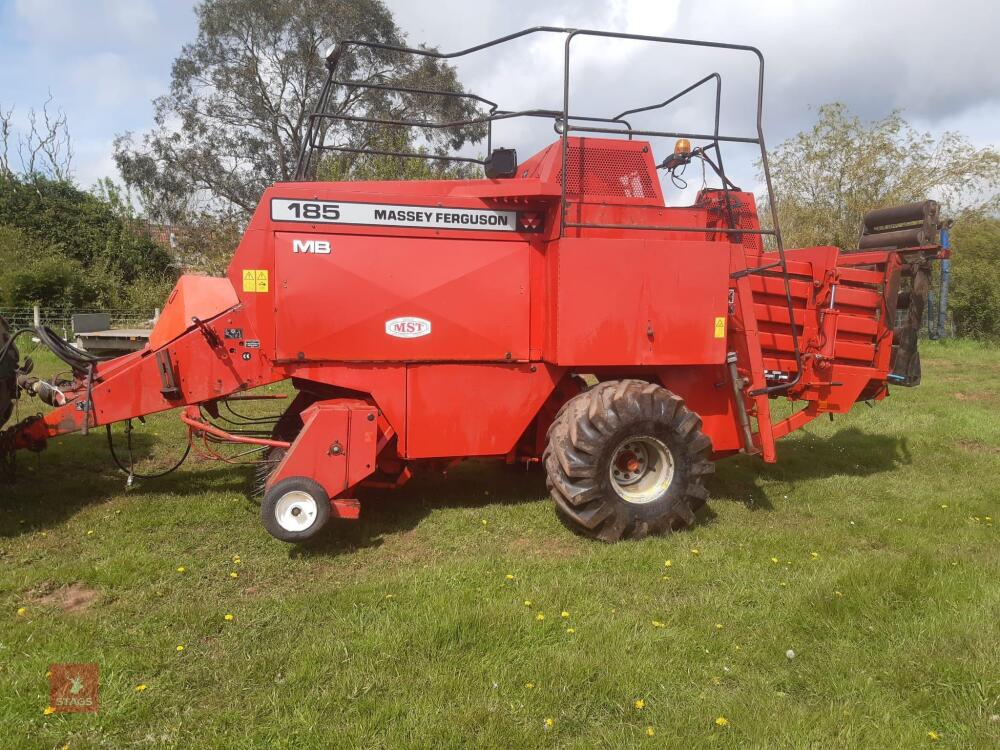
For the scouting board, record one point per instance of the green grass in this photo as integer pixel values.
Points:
(402, 630)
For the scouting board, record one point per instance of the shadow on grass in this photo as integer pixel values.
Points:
(473, 484)
(849, 452)
(62, 485)
(47, 489)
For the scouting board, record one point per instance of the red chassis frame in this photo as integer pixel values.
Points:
(496, 321)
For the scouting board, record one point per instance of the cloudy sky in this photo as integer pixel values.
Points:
(103, 61)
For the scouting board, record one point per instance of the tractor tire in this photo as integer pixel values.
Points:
(626, 460)
(295, 509)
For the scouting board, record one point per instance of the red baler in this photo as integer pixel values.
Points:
(555, 311)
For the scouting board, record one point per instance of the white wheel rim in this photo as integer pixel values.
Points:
(642, 469)
(296, 511)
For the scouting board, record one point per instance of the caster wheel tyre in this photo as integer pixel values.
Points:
(626, 460)
(295, 509)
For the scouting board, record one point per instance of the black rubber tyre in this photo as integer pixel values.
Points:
(659, 486)
(295, 509)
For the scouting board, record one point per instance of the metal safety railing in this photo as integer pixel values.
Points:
(566, 122)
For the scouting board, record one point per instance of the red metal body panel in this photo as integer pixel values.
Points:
(442, 398)
(472, 293)
(386, 384)
(336, 447)
(638, 302)
(199, 297)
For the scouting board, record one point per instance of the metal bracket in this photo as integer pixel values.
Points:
(168, 380)
(752, 271)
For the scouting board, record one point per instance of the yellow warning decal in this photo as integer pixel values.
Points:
(255, 280)
(720, 328)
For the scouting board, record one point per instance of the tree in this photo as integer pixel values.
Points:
(827, 178)
(44, 150)
(241, 93)
(61, 246)
(975, 289)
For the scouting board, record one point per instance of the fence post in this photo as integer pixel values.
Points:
(37, 316)
(943, 298)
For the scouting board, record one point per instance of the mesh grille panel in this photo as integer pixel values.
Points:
(607, 172)
(743, 216)
(744, 220)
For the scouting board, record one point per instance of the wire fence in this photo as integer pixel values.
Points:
(60, 320)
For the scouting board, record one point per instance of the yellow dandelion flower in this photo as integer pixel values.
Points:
(22, 611)
(228, 618)
(784, 584)
(933, 736)
(658, 624)
(564, 614)
(529, 685)
(944, 505)
(668, 563)
(540, 616)
(234, 574)
(664, 578)
(650, 731)
(527, 602)
(549, 723)
(484, 522)
(814, 555)
(570, 630)
(775, 560)
(839, 594)
(49, 710)
(182, 569)
(722, 721)
(90, 532)
(639, 704)
(509, 577)
(695, 551)
(140, 688)
(180, 647)
(718, 626)
(738, 647)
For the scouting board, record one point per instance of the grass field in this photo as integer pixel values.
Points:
(460, 613)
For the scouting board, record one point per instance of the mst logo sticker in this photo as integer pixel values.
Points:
(407, 327)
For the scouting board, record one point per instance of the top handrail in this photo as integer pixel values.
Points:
(566, 120)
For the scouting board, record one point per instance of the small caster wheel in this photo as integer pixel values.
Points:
(295, 509)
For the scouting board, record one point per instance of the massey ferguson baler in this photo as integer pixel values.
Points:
(556, 311)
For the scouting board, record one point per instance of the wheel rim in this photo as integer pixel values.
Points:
(296, 511)
(642, 469)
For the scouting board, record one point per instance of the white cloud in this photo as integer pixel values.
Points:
(111, 82)
(80, 24)
(105, 59)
